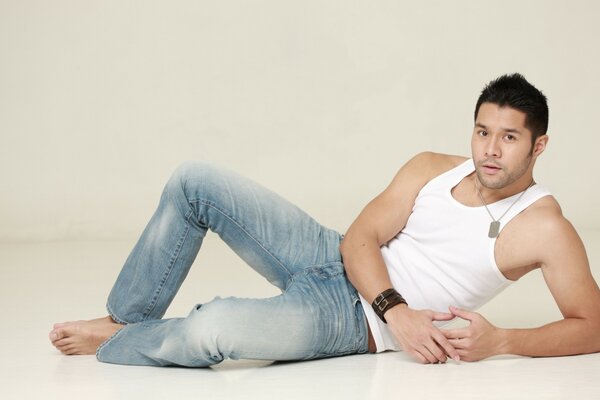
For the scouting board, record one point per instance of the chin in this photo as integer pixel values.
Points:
(494, 183)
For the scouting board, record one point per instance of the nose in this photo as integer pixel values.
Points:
(492, 147)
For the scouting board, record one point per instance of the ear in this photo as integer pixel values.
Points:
(540, 145)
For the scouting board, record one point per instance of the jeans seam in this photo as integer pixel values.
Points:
(352, 347)
(167, 273)
(114, 316)
(103, 344)
(309, 270)
(244, 229)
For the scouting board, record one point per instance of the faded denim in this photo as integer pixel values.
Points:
(318, 314)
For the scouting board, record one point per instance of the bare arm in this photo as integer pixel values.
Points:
(377, 224)
(382, 219)
(566, 271)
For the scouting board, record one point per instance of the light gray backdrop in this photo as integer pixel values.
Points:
(321, 101)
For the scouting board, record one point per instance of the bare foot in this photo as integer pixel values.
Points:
(82, 337)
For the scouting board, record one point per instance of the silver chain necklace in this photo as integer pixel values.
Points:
(495, 224)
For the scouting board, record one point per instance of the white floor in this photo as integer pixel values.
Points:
(45, 283)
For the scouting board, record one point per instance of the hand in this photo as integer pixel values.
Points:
(477, 341)
(415, 331)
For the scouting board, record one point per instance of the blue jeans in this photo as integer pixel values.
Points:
(318, 314)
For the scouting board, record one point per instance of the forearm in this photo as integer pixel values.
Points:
(565, 337)
(414, 330)
(364, 265)
(381, 220)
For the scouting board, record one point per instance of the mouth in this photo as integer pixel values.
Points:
(490, 168)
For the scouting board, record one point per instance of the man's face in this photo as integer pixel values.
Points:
(501, 146)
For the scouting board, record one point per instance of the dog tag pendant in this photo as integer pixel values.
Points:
(494, 229)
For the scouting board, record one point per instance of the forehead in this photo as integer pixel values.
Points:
(493, 116)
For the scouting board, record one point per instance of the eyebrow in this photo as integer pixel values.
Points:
(509, 130)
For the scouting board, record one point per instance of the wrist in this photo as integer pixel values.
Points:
(396, 311)
(385, 301)
(504, 343)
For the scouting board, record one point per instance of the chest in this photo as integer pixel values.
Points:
(463, 223)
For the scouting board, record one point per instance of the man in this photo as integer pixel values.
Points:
(448, 231)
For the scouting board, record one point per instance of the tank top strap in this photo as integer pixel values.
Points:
(449, 178)
(533, 194)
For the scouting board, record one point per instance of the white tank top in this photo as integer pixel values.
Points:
(444, 256)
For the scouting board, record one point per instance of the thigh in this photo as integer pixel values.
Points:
(277, 328)
(318, 316)
(340, 325)
(271, 234)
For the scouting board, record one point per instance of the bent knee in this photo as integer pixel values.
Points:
(190, 169)
(196, 177)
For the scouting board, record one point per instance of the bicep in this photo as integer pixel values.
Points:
(386, 215)
(567, 272)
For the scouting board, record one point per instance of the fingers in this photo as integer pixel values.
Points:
(429, 353)
(438, 355)
(464, 347)
(440, 316)
(435, 355)
(419, 357)
(424, 356)
(458, 344)
(455, 333)
(446, 345)
(421, 339)
(464, 314)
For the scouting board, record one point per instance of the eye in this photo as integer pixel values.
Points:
(510, 138)
(482, 133)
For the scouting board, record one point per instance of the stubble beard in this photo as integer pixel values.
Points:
(508, 178)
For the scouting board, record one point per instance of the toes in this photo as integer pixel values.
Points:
(66, 324)
(67, 345)
(64, 332)
(56, 334)
(67, 349)
(81, 337)
(63, 342)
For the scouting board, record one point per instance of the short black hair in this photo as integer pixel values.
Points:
(515, 92)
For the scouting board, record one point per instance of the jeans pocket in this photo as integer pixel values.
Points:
(343, 321)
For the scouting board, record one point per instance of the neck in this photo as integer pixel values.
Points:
(493, 195)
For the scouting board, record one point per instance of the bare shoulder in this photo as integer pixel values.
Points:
(546, 218)
(388, 212)
(415, 174)
(538, 237)
(427, 165)
(548, 229)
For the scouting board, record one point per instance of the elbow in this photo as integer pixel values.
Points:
(347, 249)
(595, 327)
(590, 333)
(347, 244)
(342, 247)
